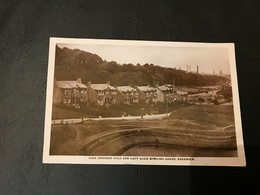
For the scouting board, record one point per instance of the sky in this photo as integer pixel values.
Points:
(208, 59)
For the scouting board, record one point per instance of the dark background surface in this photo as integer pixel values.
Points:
(25, 28)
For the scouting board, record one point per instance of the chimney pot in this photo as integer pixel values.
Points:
(79, 80)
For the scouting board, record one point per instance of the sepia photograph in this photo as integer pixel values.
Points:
(142, 102)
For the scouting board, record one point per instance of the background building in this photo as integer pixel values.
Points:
(167, 92)
(69, 92)
(127, 95)
(147, 94)
(101, 93)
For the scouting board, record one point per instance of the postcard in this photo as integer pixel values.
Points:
(142, 102)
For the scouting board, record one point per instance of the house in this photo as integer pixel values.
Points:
(164, 92)
(101, 93)
(69, 92)
(126, 95)
(147, 94)
(167, 92)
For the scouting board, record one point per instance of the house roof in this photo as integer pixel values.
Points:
(70, 84)
(182, 92)
(164, 87)
(125, 88)
(146, 88)
(101, 86)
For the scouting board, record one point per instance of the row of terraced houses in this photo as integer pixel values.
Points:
(75, 92)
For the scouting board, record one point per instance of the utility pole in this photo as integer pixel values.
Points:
(166, 105)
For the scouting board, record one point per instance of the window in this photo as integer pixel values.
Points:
(67, 91)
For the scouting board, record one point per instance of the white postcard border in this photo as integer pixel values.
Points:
(142, 160)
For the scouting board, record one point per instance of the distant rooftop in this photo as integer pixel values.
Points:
(125, 88)
(145, 88)
(165, 87)
(101, 86)
(70, 84)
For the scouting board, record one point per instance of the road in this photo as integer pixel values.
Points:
(145, 117)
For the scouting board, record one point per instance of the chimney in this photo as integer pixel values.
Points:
(108, 82)
(79, 80)
(173, 85)
(197, 69)
(88, 83)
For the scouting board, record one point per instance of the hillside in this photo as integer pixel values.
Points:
(74, 63)
(219, 116)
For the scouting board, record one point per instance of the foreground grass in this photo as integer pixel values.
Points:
(220, 116)
(61, 113)
(116, 110)
(188, 124)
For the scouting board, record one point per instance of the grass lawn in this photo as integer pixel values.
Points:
(115, 110)
(213, 115)
(61, 113)
(188, 124)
